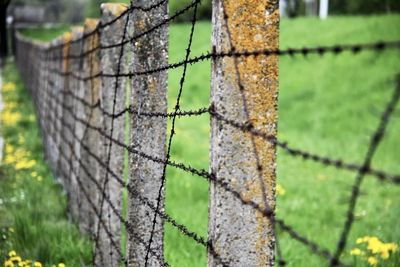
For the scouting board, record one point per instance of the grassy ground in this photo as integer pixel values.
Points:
(33, 215)
(47, 34)
(327, 105)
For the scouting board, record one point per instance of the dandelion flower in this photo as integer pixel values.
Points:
(355, 252)
(9, 87)
(372, 261)
(16, 259)
(280, 191)
(25, 164)
(12, 253)
(37, 264)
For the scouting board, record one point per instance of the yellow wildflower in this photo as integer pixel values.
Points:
(355, 252)
(280, 191)
(16, 259)
(25, 164)
(374, 245)
(363, 239)
(37, 264)
(11, 230)
(8, 263)
(9, 149)
(61, 265)
(12, 253)
(9, 87)
(372, 261)
(34, 174)
(10, 118)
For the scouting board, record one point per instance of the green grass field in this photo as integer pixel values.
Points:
(328, 105)
(33, 208)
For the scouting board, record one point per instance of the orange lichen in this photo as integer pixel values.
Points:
(115, 9)
(92, 60)
(254, 25)
(66, 38)
(90, 24)
(76, 32)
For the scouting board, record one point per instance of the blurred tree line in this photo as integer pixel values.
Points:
(345, 7)
(364, 7)
(295, 7)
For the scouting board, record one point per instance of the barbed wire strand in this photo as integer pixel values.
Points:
(172, 132)
(375, 141)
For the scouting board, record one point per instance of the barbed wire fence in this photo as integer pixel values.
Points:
(80, 82)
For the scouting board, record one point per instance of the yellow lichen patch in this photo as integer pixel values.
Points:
(66, 48)
(90, 24)
(92, 60)
(114, 8)
(152, 83)
(67, 36)
(253, 25)
(76, 32)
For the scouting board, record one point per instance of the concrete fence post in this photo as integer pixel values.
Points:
(41, 101)
(244, 89)
(65, 136)
(75, 91)
(90, 138)
(147, 135)
(112, 101)
(53, 88)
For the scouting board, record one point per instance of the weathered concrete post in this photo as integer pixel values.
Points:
(244, 89)
(149, 94)
(42, 99)
(112, 101)
(55, 88)
(66, 118)
(90, 138)
(75, 91)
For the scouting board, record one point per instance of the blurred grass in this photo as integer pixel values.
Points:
(45, 34)
(33, 208)
(328, 105)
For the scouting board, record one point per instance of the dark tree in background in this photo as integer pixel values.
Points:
(3, 28)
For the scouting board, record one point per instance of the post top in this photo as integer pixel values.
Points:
(114, 9)
(66, 37)
(91, 23)
(76, 31)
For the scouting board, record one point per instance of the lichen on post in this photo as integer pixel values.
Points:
(90, 137)
(147, 135)
(112, 100)
(244, 89)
